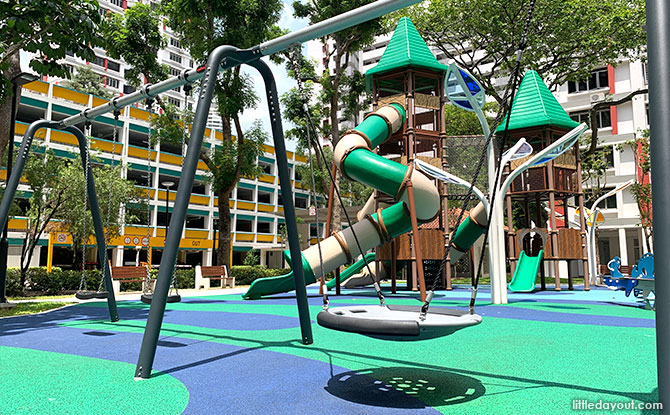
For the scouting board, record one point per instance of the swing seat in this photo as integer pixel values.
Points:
(396, 322)
(172, 298)
(91, 295)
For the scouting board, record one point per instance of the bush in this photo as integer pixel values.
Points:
(14, 282)
(245, 275)
(185, 278)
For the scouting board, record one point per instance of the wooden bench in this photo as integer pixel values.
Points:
(128, 274)
(203, 276)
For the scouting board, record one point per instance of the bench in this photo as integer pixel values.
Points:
(128, 274)
(203, 276)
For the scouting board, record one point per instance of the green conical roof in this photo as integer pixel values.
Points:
(405, 49)
(535, 106)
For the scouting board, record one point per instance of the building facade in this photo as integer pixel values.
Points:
(256, 205)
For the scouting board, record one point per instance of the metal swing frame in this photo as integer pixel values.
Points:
(13, 183)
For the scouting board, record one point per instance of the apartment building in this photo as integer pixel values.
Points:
(256, 205)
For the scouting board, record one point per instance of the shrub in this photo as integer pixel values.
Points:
(14, 282)
(245, 275)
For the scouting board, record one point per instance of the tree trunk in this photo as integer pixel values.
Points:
(6, 106)
(223, 250)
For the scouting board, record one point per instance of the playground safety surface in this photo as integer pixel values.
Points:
(219, 354)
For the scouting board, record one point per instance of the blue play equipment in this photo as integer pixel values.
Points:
(640, 282)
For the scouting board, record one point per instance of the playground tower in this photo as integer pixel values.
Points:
(537, 116)
(409, 74)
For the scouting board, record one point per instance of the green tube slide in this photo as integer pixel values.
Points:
(353, 269)
(387, 176)
(526, 273)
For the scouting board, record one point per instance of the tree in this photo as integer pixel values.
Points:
(566, 40)
(86, 80)
(203, 26)
(335, 82)
(42, 174)
(113, 192)
(641, 189)
(49, 29)
(135, 37)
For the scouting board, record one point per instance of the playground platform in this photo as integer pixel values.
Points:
(219, 354)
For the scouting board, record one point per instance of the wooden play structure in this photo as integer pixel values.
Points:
(557, 184)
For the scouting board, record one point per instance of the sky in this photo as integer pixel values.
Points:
(284, 83)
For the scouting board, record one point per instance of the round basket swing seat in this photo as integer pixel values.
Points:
(397, 322)
(91, 295)
(172, 298)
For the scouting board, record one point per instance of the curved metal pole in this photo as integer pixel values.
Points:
(156, 312)
(287, 192)
(19, 165)
(13, 183)
(97, 222)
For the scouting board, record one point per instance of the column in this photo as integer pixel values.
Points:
(623, 247)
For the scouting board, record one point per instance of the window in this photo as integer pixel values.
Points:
(245, 194)
(312, 230)
(609, 203)
(609, 156)
(174, 101)
(127, 89)
(603, 118)
(117, 2)
(99, 61)
(112, 83)
(645, 73)
(244, 225)
(174, 71)
(174, 42)
(264, 197)
(263, 227)
(267, 167)
(597, 80)
(298, 176)
(175, 57)
(301, 202)
(113, 66)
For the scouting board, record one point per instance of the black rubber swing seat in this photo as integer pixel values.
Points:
(397, 322)
(91, 295)
(173, 298)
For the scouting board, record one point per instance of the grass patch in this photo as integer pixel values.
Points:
(39, 297)
(30, 308)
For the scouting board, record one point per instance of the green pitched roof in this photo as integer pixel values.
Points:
(535, 106)
(405, 49)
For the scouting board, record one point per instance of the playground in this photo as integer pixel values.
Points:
(370, 317)
(221, 354)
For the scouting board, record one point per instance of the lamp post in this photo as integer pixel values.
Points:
(167, 185)
(17, 81)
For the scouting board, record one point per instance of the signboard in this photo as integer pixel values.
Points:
(312, 211)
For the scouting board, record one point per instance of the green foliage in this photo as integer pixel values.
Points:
(168, 126)
(43, 176)
(461, 122)
(48, 28)
(251, 258)
(57, 282)
(641, 189)
(85, 80)
(74, 214)
(245, 275)
(224, 167)
(135, 37)
(594, 167)
(567, 39)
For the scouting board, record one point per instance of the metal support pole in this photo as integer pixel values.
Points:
(97, 223)
(289, 208)
(658, 38)
(156, 312)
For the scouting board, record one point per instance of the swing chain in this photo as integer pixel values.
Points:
(507, 96)
(297, 55)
